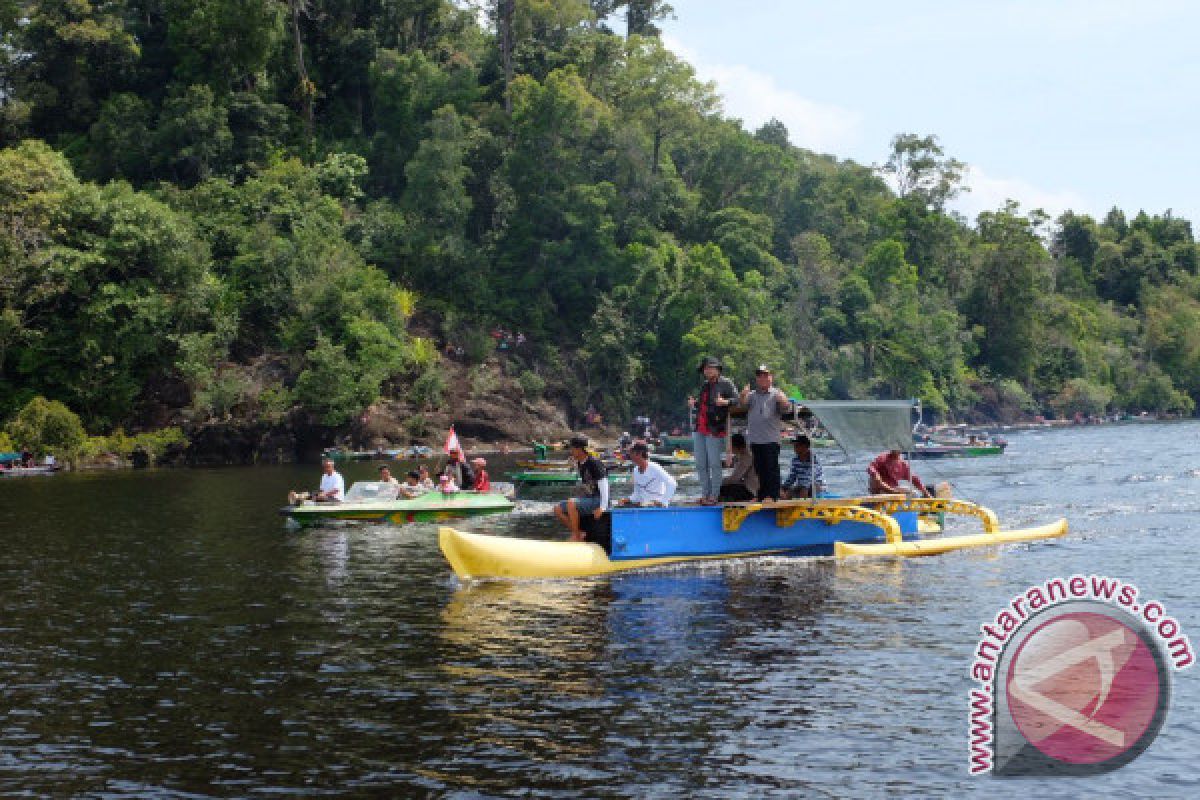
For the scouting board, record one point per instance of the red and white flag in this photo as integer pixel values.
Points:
(452, 442)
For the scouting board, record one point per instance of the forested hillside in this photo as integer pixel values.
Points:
(287, 209)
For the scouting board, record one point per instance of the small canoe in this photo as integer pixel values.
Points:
(430, 507)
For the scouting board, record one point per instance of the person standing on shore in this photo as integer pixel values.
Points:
(764, 408)
(717, 394)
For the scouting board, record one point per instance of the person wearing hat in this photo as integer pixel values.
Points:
(711, 405)
(764, 407)
(459, 470)
(482, 482)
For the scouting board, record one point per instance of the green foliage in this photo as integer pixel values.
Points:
(277, 184)
(47, 426)
(532, 384)
(154, 444)
(1079, 396)
(428, 390)
(329, 387)
(417, 426)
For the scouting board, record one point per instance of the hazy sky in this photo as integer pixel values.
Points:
(1081, 104)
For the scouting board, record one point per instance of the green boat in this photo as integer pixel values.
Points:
(557, 478)
(374, 501)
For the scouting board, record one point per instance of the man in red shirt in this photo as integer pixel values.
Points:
(887, 470)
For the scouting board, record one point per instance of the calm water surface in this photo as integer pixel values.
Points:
(163, 634)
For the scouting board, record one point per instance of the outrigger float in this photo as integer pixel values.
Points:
(892, 525)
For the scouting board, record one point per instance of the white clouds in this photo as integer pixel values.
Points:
(755, 97)
(989, 192)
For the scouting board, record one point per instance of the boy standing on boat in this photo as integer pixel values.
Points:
(593, 492)
(887, 470)
(764, 407)
(716, 395)
(652, 485)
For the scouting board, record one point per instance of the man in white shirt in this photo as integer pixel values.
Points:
(652, 485)
(333, 488)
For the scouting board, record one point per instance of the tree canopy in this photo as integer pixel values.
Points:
(217, 208)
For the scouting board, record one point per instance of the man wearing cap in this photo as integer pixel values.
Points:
(764, 407)
(717, 393)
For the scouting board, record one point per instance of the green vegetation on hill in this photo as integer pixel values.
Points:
(214, 210)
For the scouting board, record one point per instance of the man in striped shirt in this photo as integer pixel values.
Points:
(805, 479)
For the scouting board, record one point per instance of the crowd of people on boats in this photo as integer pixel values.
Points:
(753, 456)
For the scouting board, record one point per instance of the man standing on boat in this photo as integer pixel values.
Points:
(716, 395)
(885, 473)
(333, 488)
(765, 406)
(652, 485)
(593, 492)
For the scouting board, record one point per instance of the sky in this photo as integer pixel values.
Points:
(1057, 104)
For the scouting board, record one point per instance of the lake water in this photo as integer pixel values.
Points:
(163, 634)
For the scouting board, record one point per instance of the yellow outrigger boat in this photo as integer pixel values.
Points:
(892, 525)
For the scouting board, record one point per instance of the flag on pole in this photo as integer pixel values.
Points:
(452, 442)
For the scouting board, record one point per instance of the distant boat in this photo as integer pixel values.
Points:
(18, 472)
(375, 501)
(945, 450)
(677, 459)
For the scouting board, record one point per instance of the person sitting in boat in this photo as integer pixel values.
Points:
(447, 485)
(333, 488)
(885, 473)
(652, 485)
(425, 479)
(482, 482)
(412, 486)
(385, 476)
(805, 478)
(49, 460)
(742, 484)
(460, 471)
(593, 491)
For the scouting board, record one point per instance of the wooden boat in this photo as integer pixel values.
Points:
(942, 450)
(538, 477)
(40, 469)
(649, 537)
(678, 458)
(870, 525)
(372, 501)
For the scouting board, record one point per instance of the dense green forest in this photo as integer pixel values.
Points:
(275, 209)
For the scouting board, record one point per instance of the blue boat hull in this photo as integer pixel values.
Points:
(639, 533)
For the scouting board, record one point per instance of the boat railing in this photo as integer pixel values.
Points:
(941, 505)
(828, 510)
